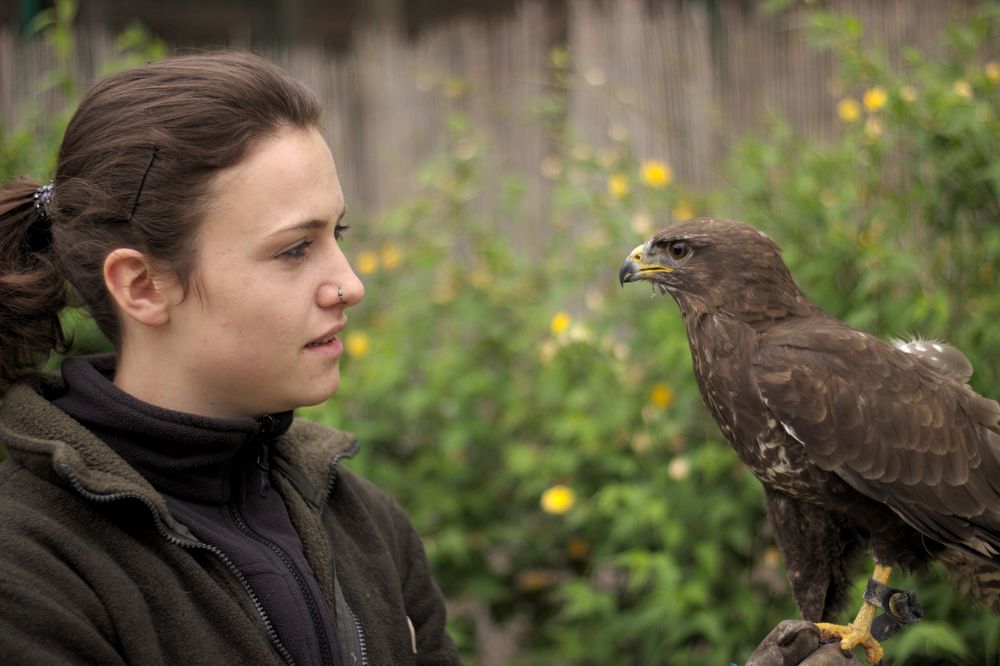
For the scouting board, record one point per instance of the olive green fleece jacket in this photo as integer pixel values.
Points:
(94, 569)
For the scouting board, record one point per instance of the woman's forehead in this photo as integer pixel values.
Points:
(288, 179)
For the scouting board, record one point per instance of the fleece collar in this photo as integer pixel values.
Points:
(46, 439)
(187, 456)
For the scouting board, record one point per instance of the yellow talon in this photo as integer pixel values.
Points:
(851, 636)
(859, 632)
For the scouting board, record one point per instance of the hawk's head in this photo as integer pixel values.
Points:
(710, 265)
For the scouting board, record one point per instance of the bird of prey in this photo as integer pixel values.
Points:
(858, 443)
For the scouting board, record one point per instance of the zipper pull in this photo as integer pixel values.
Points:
(266, 425)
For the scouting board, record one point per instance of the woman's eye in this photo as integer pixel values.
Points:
(678, 250)
(297, 252)
(338, 231)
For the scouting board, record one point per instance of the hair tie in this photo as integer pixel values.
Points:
(39, 237)
(43, 197)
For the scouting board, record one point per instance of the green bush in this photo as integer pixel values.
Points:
(543, 427)
(507, 373)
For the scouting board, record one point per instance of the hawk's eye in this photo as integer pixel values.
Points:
(678, 250)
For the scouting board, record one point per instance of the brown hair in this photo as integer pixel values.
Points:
(135, 170)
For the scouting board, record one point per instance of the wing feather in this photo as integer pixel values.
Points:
(889, 425)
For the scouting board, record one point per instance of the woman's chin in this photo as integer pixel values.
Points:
(321, 394)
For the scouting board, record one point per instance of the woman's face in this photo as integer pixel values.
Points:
(257, 331)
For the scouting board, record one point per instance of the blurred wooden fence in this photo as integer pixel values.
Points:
(681, 81)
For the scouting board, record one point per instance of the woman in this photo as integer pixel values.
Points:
(161, 505)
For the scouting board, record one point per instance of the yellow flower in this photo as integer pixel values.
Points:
(642, 442)
(873, 128)
(560, 322)
(661, 396)
(558, 499)
(683, 210)
(874, 99)
(391, 256)
(962, 88)
(848, 110)
(679, 468)
(617, 185)
(357, 344)
(642, 222)
(580, 333)
(993, 72)
(656, 174)
(367, 262)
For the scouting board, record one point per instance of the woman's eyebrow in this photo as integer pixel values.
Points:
(308, 224)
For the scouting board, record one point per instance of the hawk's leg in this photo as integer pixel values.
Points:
(859, 632)
(817, 545)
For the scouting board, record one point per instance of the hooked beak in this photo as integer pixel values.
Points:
(635, 268)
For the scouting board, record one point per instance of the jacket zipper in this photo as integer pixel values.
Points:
(179, 541)
(359, 634)
(317, 620)
(318, 503)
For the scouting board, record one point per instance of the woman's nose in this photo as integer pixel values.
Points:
(345, 288)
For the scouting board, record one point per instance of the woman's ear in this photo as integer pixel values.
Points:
(132, 282)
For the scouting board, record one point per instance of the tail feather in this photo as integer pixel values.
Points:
(976, 578)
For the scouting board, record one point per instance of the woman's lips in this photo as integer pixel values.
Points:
(328, 343)
(329, 346)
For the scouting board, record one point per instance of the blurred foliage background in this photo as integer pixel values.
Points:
(543, 427)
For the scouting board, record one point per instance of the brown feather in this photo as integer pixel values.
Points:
(882, 443)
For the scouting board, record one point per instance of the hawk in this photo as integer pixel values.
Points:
(859, 444)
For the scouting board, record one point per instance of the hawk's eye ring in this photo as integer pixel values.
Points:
(678, 250)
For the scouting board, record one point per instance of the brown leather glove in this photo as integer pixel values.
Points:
(797, 643)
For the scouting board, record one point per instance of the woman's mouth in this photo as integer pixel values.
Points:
(328, 346)
(322, 341)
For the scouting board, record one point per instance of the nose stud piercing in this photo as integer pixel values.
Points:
(340, 294)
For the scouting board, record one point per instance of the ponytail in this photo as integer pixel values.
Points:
(32, 288)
